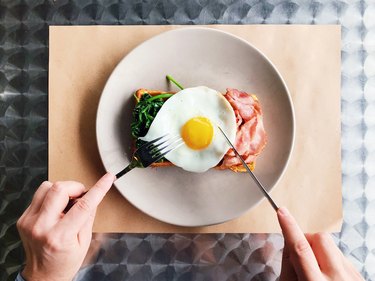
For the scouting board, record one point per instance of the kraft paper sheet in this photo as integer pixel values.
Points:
(82, 58)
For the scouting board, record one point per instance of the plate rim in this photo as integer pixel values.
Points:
(248, 44)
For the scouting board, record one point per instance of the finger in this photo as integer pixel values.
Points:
(77, 216)
(287, 271)
(326, 252)
(38, 197)
(331, 260)
(85, 233)
(57, 198)
(301, 254)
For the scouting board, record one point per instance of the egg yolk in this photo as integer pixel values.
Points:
(197, 133)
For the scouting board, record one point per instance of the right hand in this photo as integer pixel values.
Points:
(311, 257)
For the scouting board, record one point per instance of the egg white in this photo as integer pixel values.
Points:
(184, 105)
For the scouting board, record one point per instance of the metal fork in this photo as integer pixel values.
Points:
(151, 152)
(144, 156)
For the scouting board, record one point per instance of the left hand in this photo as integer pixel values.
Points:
(56, 243)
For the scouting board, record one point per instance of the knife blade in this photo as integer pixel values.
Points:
(258, 183)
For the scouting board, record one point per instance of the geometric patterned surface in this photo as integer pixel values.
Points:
(23, 136)
(186, 257)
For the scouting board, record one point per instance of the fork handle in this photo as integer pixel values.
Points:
(74, 200)
(130, 167)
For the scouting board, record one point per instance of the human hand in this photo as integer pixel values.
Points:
(311, 257)
(56, 243)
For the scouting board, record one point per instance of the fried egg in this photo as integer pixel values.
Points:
(194, 114)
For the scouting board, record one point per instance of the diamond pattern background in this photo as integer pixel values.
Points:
(23, 135)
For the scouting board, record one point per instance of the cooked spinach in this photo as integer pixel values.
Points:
(144, 113)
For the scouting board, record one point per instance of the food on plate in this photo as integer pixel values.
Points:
(251, 138)
(194, 114)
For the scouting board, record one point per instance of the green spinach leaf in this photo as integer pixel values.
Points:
(144, 113)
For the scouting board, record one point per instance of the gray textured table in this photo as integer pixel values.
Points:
(23, 136)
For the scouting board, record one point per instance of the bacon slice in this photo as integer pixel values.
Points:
(251, 137)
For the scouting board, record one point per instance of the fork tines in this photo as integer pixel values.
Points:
(164, 145)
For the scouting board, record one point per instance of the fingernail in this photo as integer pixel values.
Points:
(283, 211)
(108, 176)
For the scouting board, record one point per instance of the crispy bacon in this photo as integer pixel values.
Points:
(251, 136)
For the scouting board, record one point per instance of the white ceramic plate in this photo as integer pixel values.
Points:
(194, 57)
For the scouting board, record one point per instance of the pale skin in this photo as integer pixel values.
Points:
(56, 243)
(311, 257)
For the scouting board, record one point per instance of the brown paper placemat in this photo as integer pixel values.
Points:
(308, 57)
